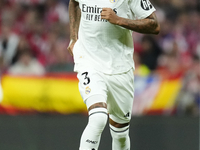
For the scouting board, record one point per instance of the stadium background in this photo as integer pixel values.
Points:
(41, 107)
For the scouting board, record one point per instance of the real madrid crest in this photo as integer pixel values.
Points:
(87, 90)
(113, 1)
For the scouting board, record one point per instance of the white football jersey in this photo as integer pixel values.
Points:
(101, 45)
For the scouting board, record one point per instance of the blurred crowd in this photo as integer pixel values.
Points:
(34, 35)
(175, 52)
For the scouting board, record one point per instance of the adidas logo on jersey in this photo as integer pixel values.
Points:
(127, 115)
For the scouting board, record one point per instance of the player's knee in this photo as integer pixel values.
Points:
(119, 133)
(98, 118)
(118, 125)
(96, 101)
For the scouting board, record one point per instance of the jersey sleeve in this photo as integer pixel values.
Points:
(141, 8)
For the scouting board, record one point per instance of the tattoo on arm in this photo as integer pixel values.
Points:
(74, 18)
(148, 25)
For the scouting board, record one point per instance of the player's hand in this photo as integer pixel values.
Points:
(109, 14)
(71, 46)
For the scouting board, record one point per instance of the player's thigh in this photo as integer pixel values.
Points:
(92, 85)
(120, 97)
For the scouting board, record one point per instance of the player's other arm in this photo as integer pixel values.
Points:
(148, 25)
(74, 18)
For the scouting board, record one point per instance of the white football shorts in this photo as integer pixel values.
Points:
(118, 90)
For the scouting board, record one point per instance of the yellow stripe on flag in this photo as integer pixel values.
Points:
(167, 94)
(43, 94)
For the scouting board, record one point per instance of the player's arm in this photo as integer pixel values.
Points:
(148, 25)
(74, 18)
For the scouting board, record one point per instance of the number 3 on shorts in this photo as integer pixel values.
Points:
(87, 79)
